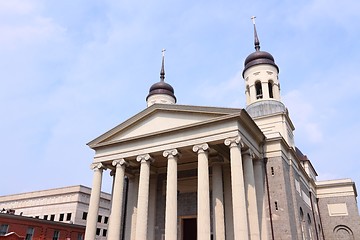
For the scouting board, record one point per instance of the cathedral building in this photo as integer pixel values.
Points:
(197, 172)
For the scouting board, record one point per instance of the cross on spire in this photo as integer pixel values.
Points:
(162, 71)
(256, 39)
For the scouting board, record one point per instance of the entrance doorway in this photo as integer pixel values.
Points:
(189, 228)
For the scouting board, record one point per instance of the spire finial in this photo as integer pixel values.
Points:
(162, 72)
(256, 39)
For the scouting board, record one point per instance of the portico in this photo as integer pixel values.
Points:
(176, 157)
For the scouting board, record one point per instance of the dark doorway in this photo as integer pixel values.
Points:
(189, 229)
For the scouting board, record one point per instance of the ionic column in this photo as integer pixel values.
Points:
(143, 197)
(238, 189)
(152, 207)
(90, 231)
(203, 194)
(171, 195)
(114, 229)
(218, 201)
(260, 198)
(229, 223)
(252, 209)
(131, 208)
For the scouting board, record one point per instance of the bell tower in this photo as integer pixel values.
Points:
(262, 90)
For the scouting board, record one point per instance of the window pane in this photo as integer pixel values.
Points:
(80, 236)
(56, 235)
(3, 229)
(29, 233)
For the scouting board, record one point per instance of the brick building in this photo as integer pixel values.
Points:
(16, 227)
(66, 205)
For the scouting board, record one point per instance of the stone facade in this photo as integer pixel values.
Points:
(220, 173)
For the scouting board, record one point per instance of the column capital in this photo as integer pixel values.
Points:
(120, 162)
(234, 141)
(144, 158)
(201, 148)
(250, 152)
(171, 153)
(97, 166)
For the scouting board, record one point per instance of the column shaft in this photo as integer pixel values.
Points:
(114, 228)
(252, 209)
(228, 204)
(203, 195)
(90, 231)
(143, 197)
(171, 195)
(238, 190)
(131, 210)
(152, 208)
(218, 202)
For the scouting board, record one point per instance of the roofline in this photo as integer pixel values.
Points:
(168, 107)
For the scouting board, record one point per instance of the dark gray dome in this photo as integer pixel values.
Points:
(161, 88)
(259, 57)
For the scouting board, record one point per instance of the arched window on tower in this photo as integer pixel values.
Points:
(270, 86)
(259, 93)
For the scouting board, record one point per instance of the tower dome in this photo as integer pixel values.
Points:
(161, 92)
(258, 57)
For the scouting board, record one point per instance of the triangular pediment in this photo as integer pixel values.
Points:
(160, 118)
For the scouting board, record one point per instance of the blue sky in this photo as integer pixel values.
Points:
(71, 70)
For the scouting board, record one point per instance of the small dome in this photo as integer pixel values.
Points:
(161, 88)
(259, 57)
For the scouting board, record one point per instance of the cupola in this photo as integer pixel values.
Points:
(261, 75)
(161, 92)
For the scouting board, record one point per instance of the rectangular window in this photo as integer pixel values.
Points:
(84, 216)
(98, 231)
(106, 220)
(4, 229)
(104, 232)
(45, 217)
(56, 235)
(52, 217)
(80, 236)
(29, 233)
(61, 217)
(99, 218)
(68, 216)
